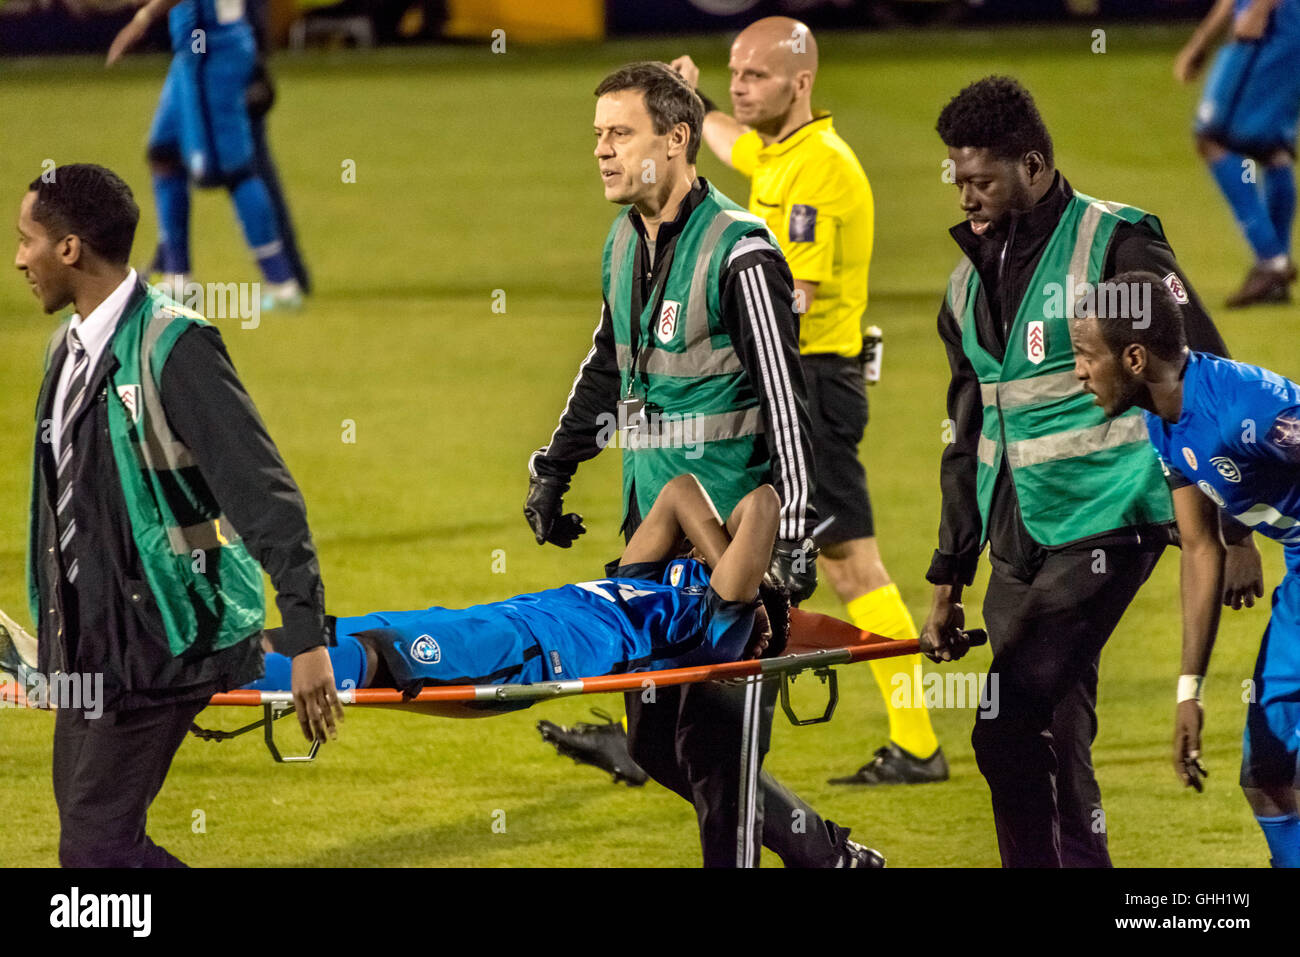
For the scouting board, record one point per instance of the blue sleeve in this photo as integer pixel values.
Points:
(1263, 423)
(1283, 438)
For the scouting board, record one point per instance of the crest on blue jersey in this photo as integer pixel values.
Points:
(1227, 468)
(1190, 456)
(803, 223)
(426, 649)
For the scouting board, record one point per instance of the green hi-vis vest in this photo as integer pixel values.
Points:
(1076, 473)
(685, 366)
(207, 586)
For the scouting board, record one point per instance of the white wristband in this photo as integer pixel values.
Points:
(1190, 688)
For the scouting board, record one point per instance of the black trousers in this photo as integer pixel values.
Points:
(107, 771)
(1034, 744)
(691, 740)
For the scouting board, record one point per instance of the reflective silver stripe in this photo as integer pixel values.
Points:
(697, 300)
(989, 393)
(161, 449)
(987, 452)
(750, 244)
(677, 430)
(958, 283)
(1264, 514)
(618, 252)
(1078, 271)
(205, 536)
(1076, 442)
(1043, 388)
(692, 364)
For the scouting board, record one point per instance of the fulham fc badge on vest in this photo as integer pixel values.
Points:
(667, 324)
(1036, 342)
(130, 396)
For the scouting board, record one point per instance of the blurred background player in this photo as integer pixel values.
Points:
(259, 97)
(202, 131)
(1074, 512)
(1250, 109)
(807, 185)
(1228, 437)
(697, 324)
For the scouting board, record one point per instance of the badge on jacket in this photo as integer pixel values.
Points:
(130, 396)
(667, 324)
(1036, 342)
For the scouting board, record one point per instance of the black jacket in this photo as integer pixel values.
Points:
(1006, 263)
(109, 622)
(778, 385)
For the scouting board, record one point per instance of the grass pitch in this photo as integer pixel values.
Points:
(474, 174)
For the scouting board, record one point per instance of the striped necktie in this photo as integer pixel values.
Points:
(67, 525)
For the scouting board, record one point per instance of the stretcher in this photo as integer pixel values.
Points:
(817, 643)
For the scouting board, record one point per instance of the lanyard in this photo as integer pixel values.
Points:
(641, 357)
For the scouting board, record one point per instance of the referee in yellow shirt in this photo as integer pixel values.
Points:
(808, 186)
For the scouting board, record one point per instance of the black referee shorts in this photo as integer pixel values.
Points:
(837, 408)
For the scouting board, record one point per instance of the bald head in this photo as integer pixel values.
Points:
(773, 66)
(781, 44)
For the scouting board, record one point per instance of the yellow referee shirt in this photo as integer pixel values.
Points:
(811, 191)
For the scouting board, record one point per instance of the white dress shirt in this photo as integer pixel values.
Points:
(94, 331)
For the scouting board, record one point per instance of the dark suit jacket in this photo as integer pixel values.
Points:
(108, 622)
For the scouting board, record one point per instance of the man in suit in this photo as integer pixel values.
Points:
(156, 494)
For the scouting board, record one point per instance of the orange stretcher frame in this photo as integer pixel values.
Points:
(817, 643)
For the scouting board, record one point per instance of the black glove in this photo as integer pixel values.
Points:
(542, 508)
(794, 568)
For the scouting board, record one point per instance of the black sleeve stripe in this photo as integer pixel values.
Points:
(783, 411)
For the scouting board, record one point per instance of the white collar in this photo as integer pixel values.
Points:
(97, 328)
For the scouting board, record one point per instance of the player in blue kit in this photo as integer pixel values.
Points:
(656, 611)
(1249, 109)
(1228, 436)
(202, 131)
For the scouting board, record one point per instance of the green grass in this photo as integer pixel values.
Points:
(474, 173)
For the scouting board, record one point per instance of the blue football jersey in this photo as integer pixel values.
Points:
(607, 626)
(1238, 441)
(223, 22)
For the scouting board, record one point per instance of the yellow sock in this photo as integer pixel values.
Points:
(882, 612)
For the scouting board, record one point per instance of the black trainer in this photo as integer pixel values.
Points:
(892, 765)
(859, 855)
(601, 745)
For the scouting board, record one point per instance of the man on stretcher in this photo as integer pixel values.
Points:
(656, 611)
